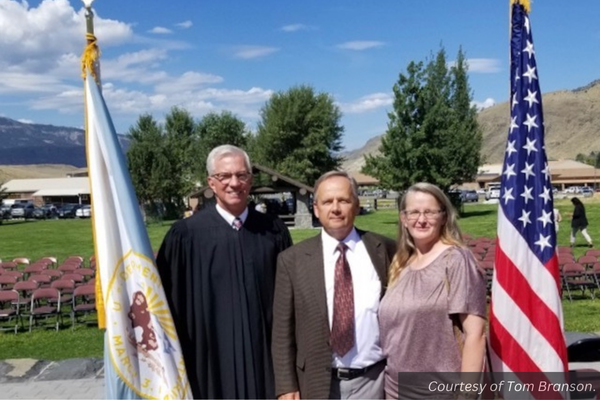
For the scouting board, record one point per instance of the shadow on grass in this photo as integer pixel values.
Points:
(477, 213)
(9, 222)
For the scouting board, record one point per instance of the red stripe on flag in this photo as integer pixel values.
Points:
(518, 288)
(515, 357)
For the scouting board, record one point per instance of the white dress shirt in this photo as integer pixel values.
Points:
(367, 291)
(227, 216)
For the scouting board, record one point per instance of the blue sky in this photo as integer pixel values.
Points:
(232, 55)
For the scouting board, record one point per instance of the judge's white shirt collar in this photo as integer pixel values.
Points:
(330, 243)
(227, 216)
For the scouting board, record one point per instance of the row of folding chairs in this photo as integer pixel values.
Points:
(45, 277)
(577, 276)
(573, 275)
(22, 263)
(47, 304)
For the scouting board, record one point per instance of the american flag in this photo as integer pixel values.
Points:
(526, 326)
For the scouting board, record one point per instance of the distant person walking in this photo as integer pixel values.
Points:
(579, 222)
(557, 219)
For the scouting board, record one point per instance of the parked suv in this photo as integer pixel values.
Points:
(493, 191)
(22, 210)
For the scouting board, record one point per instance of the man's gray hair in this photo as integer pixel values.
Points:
(225, 150)
(332, 174)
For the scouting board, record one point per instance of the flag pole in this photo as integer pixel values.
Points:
(90, 61)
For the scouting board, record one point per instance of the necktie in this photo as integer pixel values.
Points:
(237, 224)
(342, 329)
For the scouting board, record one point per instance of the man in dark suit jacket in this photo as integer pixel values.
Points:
(325, 330)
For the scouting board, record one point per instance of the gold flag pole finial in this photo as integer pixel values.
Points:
(525, 3)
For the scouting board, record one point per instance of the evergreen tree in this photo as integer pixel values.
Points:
(180, 143)
(149, 165)
(432, 133)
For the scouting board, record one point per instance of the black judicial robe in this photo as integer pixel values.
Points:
(220, 285)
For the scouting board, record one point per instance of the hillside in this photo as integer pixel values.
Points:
(8, 172)
(572, 119)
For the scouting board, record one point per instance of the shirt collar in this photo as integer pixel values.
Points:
(330, 243)
(227, 216)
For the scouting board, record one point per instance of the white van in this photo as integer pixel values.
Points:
(493, 191)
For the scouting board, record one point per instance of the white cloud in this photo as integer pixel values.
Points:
(40, 67)
(160, 30)
(25, 82)
(25, 121)
(489, 102)
(484, 65)
(34, 37)
(360, 45)
(367, 103)
(249, 52)
(185, 24)
(295, 28)
(189, 81)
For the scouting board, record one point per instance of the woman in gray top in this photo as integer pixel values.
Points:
(434, 284)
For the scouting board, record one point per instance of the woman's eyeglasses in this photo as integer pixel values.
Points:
(413, 215)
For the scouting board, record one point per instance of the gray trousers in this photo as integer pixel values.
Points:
(584, 232)
(368, 386)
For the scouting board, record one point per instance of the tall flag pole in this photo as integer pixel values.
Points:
(142, 356)
(526, 320)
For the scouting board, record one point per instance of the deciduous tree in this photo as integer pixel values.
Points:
(217, 129)
(299, 134)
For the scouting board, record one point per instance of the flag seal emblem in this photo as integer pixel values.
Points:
(143, 329)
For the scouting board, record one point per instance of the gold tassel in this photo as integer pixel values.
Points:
(100, 302)
(525, 3)
(90, 57)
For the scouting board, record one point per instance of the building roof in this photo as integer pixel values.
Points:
(364, 180)
(561, 170)
(56, 186)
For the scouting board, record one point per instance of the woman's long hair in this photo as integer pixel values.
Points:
(449, 232)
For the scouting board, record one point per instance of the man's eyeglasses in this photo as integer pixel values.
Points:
(413, 215)
(225, 177)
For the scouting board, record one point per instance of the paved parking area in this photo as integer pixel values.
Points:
(58, 389)
(81, 378)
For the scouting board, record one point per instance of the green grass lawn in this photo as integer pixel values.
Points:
(62, 238)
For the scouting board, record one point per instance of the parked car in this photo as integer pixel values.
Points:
(21, 210)
(5, 211)
(68, 210)
(50, 210)
(469, 196)
(84, 212)
(587, 191)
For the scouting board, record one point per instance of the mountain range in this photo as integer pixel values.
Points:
(22, 143)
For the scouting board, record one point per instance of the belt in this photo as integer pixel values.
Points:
(347, 374)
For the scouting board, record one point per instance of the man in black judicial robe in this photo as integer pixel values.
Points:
(219, 280)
